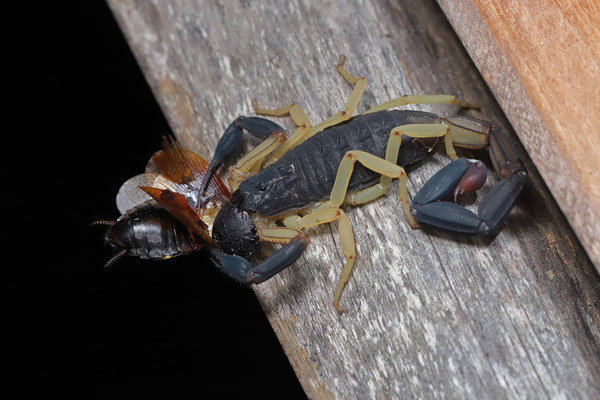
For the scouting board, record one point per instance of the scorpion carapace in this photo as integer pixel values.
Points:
(285, 186)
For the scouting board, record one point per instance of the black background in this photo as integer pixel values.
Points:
(87, 122)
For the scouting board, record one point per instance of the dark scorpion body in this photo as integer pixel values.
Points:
(285, 186)
(306, 174)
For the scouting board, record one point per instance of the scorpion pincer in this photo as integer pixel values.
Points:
(285, 186)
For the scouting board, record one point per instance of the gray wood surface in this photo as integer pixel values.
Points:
(429, 314)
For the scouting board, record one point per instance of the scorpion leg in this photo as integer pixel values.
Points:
(336, 198)
(402, 100)
(277, 234)
(432, 99)
(360, 83)
(243, 271)
(420, 99)
(251, 162)
(463, 131)
(346, 239)
(391, 155)
(232, 139)
(300, 119)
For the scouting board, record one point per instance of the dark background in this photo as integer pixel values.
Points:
(87, 122)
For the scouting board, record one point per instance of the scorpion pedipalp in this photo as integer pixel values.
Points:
(232, 138)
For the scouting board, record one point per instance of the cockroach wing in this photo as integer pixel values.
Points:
(185, 171)
(179, 207)
(130, 195)
(175, 169)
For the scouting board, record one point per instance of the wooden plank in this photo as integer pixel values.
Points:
(542, 62)
(429, 314)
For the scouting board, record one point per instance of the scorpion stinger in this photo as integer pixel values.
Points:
(431, 206)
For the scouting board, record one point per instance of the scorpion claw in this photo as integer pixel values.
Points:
(244, 272)
(235, 266)
(279, 260)
(232, 139)
(258, 127)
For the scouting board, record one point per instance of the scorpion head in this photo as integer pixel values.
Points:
(234, 230)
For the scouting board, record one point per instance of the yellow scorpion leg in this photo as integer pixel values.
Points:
(391, 155)
(251, 162)
(346, 239)
(338, 195)
(360, 83)
(420, 99)
(300, 119)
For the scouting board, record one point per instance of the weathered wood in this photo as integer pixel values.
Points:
(541, 60)
(429, 314)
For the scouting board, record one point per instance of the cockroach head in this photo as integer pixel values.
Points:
(235, 232)
(118, 235)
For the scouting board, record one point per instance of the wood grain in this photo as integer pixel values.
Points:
(429, 314)
(542, 62)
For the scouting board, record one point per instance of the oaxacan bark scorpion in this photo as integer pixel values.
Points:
(284, 186)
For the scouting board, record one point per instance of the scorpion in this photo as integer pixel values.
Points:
(285, 186)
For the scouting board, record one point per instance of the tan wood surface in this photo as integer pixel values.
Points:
(541, 60)
(429, 314)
